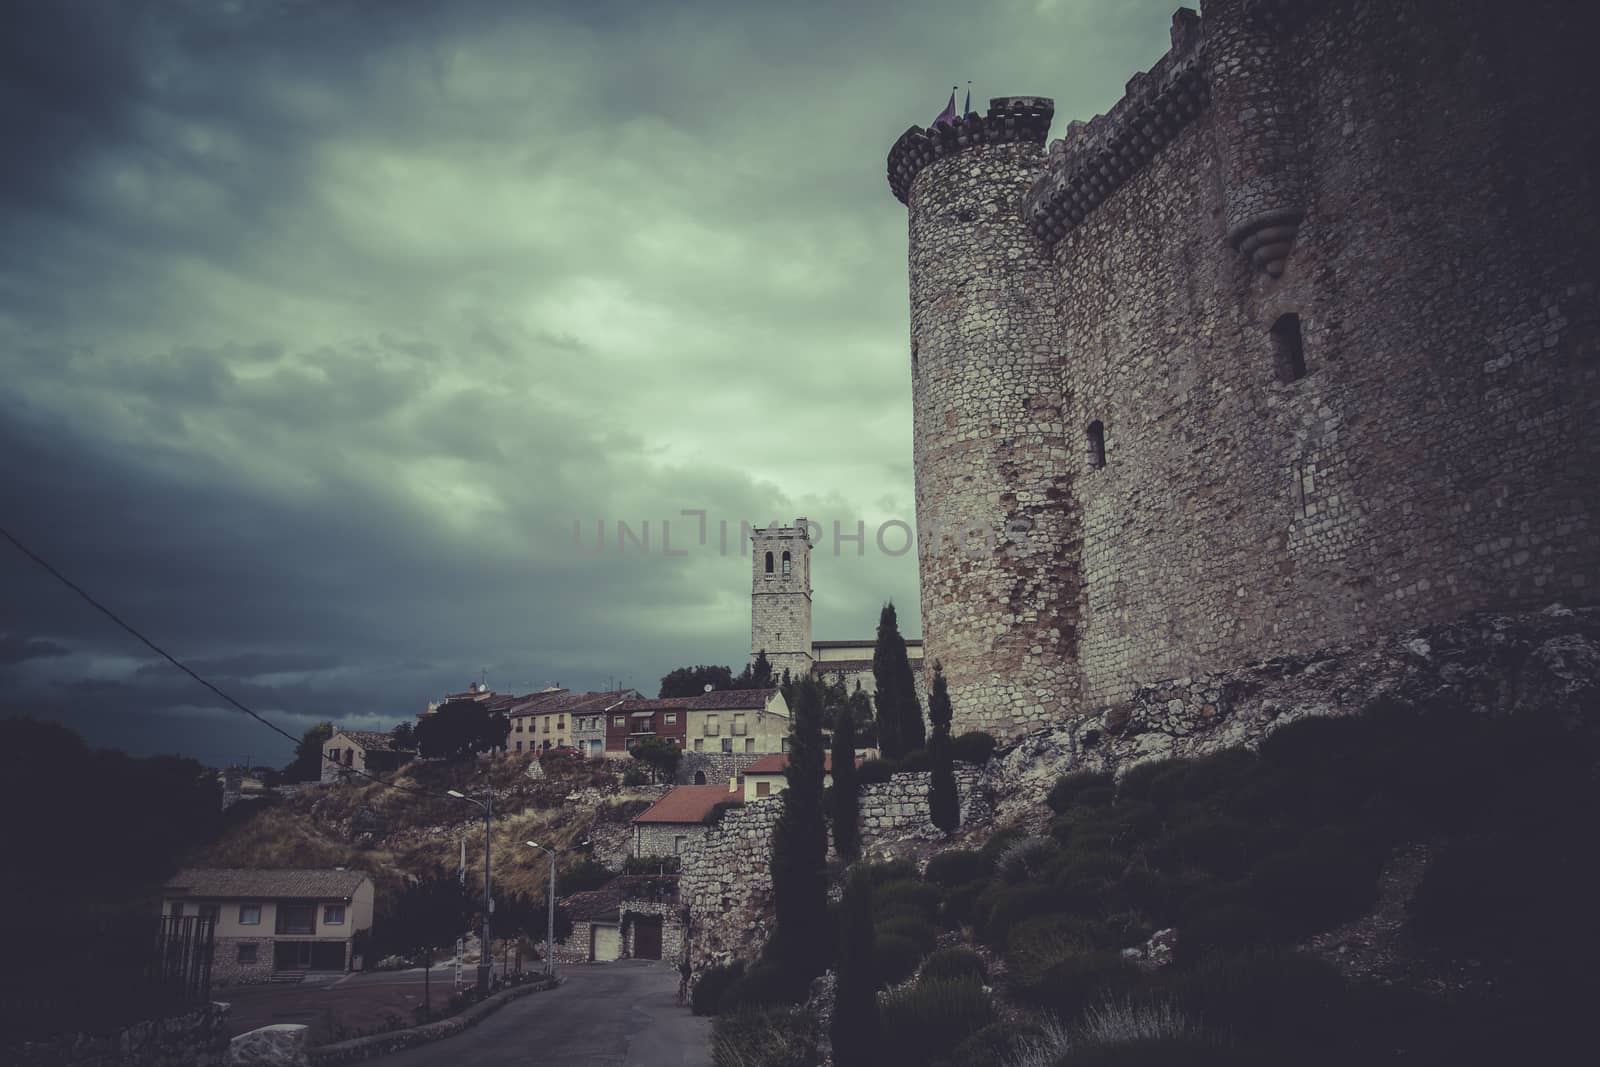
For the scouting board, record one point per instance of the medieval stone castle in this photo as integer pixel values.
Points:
(1295, 346)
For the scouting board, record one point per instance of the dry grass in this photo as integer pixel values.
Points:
(419, 831)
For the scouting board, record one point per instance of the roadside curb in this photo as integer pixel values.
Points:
(364, 1048)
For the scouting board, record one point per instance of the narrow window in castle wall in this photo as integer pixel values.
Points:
(1288, 350)
(786, 565)
(769, 562)
(1097, 444)
(913, 359)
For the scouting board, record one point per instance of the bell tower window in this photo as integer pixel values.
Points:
(1097, 444)
(788, 567)
(1288, 349)
(769, 563)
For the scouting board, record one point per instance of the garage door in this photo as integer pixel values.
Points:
(607, 942)
(647, 939)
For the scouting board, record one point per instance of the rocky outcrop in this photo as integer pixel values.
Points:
(275, 1045)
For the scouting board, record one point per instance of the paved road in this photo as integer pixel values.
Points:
(622, 1014)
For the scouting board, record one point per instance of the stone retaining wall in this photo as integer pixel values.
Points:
(365, 1048)
(194, 1039)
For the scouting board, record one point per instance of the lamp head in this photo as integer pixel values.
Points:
(534, 844)
(458, 794)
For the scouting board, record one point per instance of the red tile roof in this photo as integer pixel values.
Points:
(372, 741)
(779, 762)
(687, 803)
(267, 883)
(717, 700)
(563, 701)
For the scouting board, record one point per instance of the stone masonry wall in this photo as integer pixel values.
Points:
(726, 881)
(661, 838)
(1415, 182)
(226, 968)
(989, 450)
(671, 916)
(194, 1039)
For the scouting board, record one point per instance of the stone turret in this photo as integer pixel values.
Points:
(995, 534)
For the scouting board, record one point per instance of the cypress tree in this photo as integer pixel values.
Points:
(846, 805)
(900, 727)
(855, 1008)
(944, 804)
(800, 847)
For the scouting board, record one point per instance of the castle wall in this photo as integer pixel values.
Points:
(998, 612)
(1429, 461)
(1409, 187)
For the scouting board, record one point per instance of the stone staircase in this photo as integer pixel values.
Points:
(288, 976)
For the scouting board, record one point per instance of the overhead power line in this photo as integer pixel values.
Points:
(164, 654)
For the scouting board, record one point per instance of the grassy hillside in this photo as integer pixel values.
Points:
(392, 833)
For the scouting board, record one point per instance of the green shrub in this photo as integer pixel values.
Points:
(1329, 879)
(956, 962)
(905, 897)
(961, 904)
(1038, 944)
(997, 844)
(878, 874)
(635, 776)
(923, 1022)
(913, 928)
(957, 866)
(1275, 1000)
(974, 746)
(1026, 858)
(712, 984)
(894, 958)
(1086, 788)
(1073, 982)
(994, 1044)
(763, 985)
(718, 811)
(1224, 920)
(1218, 845)
(1002, 908)
(765, 1038)
(915, 760)
(876, 771)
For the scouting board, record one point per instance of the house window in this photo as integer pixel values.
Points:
(333, 915)
(519, 746)
(671, 718)
(519, 726)
(678, 843)
(727, 744)
(296, 919)
(699, 745)
(738, 725)
(749, 744)
(249, 914)
(1097, 444)
(787, 566)
(712, 729)
(763, 789)
(619, 721)
(1288, 350)
(547, 724)
(245, 952)
(210, 911)
(561, 722)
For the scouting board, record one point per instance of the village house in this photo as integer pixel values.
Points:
(767, 778)
(354, 751)
(669, 825)
(630, 917)
(743, 721)
(274, 921)
(557, 718)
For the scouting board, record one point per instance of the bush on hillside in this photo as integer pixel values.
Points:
(997, 844)
(994, 1044)
(1329, 879)
(878, 874)
(961, 904)
(1026, 858)
(894, 958)
(876, 771)
(957, 866)
(1001, 907)
(922, 1022)
(905, 896)
(770, 1037)
(952, 964)
(635, 776)
(763, 985)
(712, 985)
(915, 761)
(974, 746)
(1088, 788)
(1076, 980)
(915, 929)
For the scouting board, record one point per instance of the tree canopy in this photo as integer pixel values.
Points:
(659, 754)
(308, 757)
(944, 802)
(800, 846)
(692, 681)
(900, 726)
(460, 729)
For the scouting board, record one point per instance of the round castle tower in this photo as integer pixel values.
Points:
(997, 545)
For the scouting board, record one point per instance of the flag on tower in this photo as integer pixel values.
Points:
(948, 115)
(966, 109)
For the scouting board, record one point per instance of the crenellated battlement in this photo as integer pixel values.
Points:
(1094, 158)
(1010, 119)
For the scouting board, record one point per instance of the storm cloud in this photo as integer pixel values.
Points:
(321, 323)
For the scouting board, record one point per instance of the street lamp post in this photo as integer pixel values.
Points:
(485, 964)
(550, 924)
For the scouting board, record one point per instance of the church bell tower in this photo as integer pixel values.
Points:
(780, 598)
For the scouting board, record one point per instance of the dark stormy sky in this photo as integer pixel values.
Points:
(322, 320)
